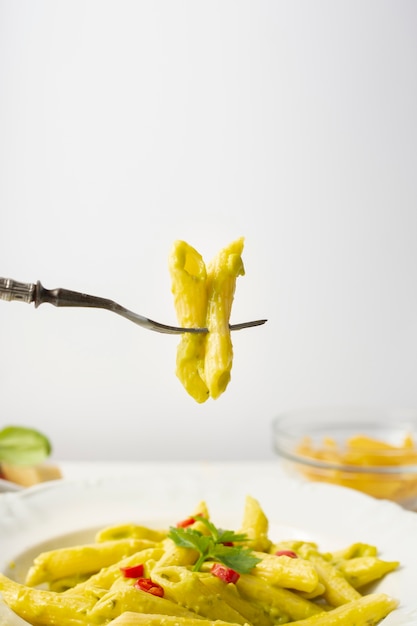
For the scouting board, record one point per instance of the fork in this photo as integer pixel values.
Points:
(35, 292)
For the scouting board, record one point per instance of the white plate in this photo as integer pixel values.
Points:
(65, 512)
(6, 485)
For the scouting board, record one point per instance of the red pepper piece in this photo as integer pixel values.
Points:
(148, 585)
(227, 543)
(289, 553)
(134, 571)
(188, 521)
(226, 574)
(185, 522)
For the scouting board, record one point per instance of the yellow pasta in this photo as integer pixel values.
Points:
(45, 608)
(203, 297)
(125, 578)
(278, 602)
(251, 611)
(221, 280)
(135, 619)
(363, 570)
(338, 590)
(189, 287)
(366, 611)
(107, 576)
(255, 525)
(297, 574)
(89, 559)
(186, 589)
(130, 531)
(124, 597)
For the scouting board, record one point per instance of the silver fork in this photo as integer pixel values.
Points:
(35, 292)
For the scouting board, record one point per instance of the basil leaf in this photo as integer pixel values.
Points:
(23, 446)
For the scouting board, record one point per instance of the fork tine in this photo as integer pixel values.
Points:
(175, 330)
(247, 324)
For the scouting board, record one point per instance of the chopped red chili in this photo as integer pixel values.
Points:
(289, 553)
(227, 543)
(226, 574)
(185, 522)
(133, 571)
(148, 585)
(188, 521)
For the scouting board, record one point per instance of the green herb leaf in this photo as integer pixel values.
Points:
(189, 538)
(23, 446)
(211, 547)
(226, 536)
(240, 559)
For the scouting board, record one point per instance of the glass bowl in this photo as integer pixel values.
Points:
(370, 450)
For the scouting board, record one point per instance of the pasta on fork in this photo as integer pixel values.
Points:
(203, 297)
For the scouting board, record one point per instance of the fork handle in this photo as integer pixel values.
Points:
(65, 297)
(11, 290)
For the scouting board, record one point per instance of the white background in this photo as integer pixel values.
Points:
(125, 125)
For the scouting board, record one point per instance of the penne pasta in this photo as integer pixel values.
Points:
(275, 600)
(255, 526)
(122, 598)
(189, 287)
(362, 570)
(186, 589)
(135, 619)
(222, 273)
(200, 575)
(252, 612)
(365, 611)
(338, 590)
(89, 559)
(203, 297)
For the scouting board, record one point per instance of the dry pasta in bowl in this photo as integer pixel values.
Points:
(370, 450)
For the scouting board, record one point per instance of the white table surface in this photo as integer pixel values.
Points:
(205, 471)
(77, 470)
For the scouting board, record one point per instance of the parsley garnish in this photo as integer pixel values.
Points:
(212, 546)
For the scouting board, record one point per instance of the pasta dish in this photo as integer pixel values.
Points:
(196, 574)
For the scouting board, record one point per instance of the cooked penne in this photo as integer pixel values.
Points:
(365, 611)
(129, 531)
(221, 279)
(186, 589)
(338, 590)
(251, 611)
(189, 287)
(286, 572)
(89, 559)
(107, 576)
(203, 297)
(276, 601)
(201, 575)
(45, 608)
(136, 619)
(255, 526)
(362, 570)
(124, 597)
